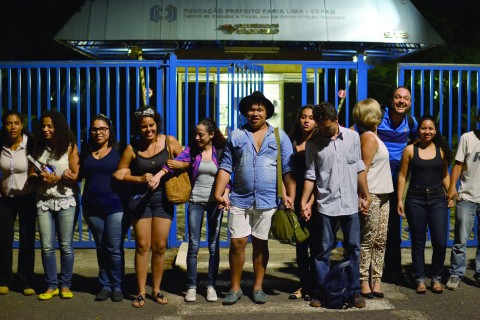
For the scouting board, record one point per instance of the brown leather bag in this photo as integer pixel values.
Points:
(178, 186)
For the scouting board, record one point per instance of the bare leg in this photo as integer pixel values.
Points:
(236, 257)
(160, 230)
(260, 256)
(142, 228)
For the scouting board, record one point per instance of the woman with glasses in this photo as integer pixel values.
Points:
(102, 206)
(17, 197)
(150, 211)
(57, 192)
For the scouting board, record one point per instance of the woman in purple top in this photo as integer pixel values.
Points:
(202, 157)
(102, 206)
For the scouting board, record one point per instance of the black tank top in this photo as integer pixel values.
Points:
(426, 173)
(141, 165)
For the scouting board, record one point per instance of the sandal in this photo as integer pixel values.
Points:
(421, 288)
(159, 297)
(295, 295)
(139, 301)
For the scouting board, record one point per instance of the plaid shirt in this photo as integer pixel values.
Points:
(185, 156)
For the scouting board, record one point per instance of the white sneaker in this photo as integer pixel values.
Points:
(453, 282)
(211, 294)
(191, 295)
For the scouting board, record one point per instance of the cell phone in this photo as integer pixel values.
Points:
(39, 167)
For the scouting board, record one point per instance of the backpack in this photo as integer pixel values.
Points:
(338, 288)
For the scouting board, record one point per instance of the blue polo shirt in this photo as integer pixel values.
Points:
(255, 173)
(395, 139)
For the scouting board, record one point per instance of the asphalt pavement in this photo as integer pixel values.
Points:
(400, 302)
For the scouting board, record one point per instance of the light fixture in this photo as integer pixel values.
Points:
(252, 50)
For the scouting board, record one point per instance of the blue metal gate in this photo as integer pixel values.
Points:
(186, 90)
(182, 91)
(450, 93)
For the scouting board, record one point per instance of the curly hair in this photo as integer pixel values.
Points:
(91, 144)
(218, 140)
(324, 111)
(296, 133)
(438, 138)
(147, 111)
(367, 114)
(61, 140)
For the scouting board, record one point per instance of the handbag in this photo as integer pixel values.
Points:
(285, 224)
(178, 186)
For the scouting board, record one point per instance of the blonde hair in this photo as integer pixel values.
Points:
(367, 114)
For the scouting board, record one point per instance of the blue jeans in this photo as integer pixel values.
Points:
(195, 220)
(427, 207)
(325, 226)
(59, 222)
(109, 232)
(464, 222)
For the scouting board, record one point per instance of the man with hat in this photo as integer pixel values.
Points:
(251, 156)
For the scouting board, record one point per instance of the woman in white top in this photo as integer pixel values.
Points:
(57, 192)
(17, 197)
(367, 115)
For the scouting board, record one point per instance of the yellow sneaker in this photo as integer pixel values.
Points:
(48, 295)
(28, 292)
(4, 290)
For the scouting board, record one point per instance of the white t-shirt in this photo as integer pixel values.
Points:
(468, 153)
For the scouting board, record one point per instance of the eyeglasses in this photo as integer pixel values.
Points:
(99, 129)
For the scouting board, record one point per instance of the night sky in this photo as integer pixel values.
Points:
(27, 28)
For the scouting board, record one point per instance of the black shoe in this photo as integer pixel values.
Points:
(103, 295)
(378, 294)
(368, 295)
(315, 303)
(117, 296)
(359, 301)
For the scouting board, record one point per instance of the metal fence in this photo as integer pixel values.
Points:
(184, 91)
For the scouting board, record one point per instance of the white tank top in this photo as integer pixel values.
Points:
(379, 177)
(61, 195)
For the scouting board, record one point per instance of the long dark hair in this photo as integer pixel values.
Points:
(297, 133)
(438, 138)
(4, 134)
(91, 144)
(218, 140)
(62, 137)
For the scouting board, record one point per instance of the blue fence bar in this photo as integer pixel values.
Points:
(185, 91)
(451, 94)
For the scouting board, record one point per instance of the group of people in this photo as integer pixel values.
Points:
(353, 178)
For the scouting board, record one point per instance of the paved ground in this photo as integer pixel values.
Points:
(401, 302)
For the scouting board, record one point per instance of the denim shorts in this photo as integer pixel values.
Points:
(150, 205)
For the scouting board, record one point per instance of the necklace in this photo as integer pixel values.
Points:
(152, 162)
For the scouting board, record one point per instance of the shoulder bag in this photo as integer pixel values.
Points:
(285, 224)
(177, 186)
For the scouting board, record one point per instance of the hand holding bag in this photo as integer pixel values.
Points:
(178, 186)
(285, 224)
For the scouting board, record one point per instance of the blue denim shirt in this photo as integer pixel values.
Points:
(255, 174)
